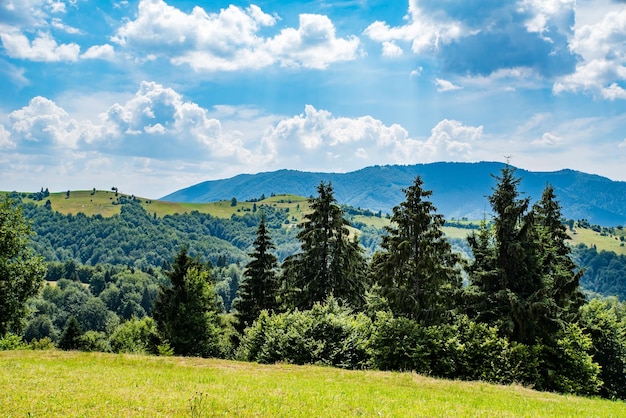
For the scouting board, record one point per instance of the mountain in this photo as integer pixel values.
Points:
(459, 189)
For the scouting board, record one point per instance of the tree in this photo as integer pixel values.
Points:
(21, 272)
(522, 278)
(561, 275)
(186, 310)
(70, 338)
(259, 289)
(330, 263)
(416, 271)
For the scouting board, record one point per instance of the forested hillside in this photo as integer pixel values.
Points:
(459, 189)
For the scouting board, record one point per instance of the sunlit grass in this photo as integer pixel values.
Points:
(55, 384)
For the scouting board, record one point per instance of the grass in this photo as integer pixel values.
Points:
(65, 384)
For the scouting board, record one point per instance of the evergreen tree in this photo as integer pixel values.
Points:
(521, 278)
(70, 338)
(21, 272)
(259, 289)
(561, 274)
(186, 311)
(330, 263)
(416, 271)
(505, 277)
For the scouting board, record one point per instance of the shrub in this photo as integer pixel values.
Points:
(327, 334)
(135, 336)
(12, 342)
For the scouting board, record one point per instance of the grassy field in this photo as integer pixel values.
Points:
(67, 384)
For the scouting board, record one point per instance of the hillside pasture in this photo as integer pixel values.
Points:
(66, 384)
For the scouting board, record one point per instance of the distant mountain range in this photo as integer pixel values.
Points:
(459, 189)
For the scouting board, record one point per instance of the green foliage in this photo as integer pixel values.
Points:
(259, 289)
(71, 336)
(604, 321)
(330, 263)
(521, 278)
(94, 341)
(12, 341)
(327, 334)
(21, 272)
(462, 349)
(417, 271)
(567, 366)
(137, 336)
(186, 312)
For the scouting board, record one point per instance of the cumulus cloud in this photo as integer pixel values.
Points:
(104, 52)
(602, 71)
(44, 124)
(231, 39)
(318, 137)
(463, 36)
(391, 49)
(43, 48)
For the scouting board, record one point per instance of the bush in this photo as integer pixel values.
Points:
(42, 344)
(12, 342)
(135, 336)
(463, 350)
(94, 341)
(327, 334)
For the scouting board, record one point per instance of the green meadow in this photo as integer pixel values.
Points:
(72, 384)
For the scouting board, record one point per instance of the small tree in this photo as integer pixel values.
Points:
(21, 272)
(259, 289)
(186, 311)
(70, 338)
(416, 271)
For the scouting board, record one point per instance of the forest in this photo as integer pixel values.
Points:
(508, 305)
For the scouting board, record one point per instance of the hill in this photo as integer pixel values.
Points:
(142, 386)
(459, 189)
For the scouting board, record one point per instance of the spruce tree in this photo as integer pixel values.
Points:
(330, 263)
(521, 278)
(561, 274)
(416, 271)
(259, 288)
(186, 311)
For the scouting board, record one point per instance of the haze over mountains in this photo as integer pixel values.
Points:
(459, 189)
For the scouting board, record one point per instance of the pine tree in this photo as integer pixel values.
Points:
(259, 289)
(521, 277)
(416, 271)
(186, 311)
(562, 276)
(330, 263)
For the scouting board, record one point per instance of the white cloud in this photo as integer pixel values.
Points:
(391, 49)
(104, 52)
(44, 123)
(445, 85)
(317, 140)
(43, 48)
(5, 138)
(231, 39)
(422, 31)
(602, 70)
(313, 45)
(548, 139)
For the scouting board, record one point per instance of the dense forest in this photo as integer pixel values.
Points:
(509, 304)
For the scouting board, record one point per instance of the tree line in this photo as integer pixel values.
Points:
(514, 312)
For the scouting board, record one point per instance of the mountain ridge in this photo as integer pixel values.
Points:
(459, 189)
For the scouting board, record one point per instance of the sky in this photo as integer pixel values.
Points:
(152, 96)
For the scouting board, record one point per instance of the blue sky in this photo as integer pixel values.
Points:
(152, 96)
